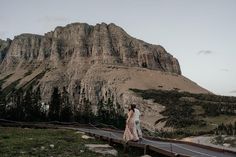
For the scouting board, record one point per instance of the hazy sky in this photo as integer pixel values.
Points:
(201, 34)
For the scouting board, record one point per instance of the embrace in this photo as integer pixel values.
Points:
(132, 130)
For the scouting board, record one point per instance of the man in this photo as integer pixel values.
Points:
(137, 121)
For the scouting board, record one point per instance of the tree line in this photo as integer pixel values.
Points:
(22, 106)
(27, 106)
(226, 129)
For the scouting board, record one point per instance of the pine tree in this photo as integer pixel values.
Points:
(120, 117)
(234, 128)
(55, 105)
(66, 107)
(2, 104)
(28, 105)
(1, 96)
(37, 113)
(110, 113)
(100, 111)
(87, 112)
(18, 109)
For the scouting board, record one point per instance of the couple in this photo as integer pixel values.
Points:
(132, 130)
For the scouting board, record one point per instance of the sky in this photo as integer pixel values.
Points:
(201, 34)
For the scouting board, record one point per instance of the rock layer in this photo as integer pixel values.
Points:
(101, 43)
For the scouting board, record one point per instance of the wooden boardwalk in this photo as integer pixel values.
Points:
(167, 148)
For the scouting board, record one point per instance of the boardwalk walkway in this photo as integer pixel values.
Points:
(165, 148)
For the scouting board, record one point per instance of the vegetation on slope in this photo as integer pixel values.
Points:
(194, 114)
(4, 79)
(24, 104)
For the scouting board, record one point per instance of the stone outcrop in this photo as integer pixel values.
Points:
(93, 63)
(103, 149)
(4, 46)
(101, 43)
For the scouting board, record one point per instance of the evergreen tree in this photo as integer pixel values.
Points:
(2, 104)
(120, 117)
(234, 128)
(20, 116)
(66, 107)
(84, 113)
(28, 105)
(87, 112)
(101, 111)
(37, 114)
(110, 113)
(15, 111)
(0, 93)
(55, 105)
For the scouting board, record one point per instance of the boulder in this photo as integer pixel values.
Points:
(86, 137)
(103, 149)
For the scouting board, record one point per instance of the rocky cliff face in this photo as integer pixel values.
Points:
(4, 46)
(101, 43)
(93, 63)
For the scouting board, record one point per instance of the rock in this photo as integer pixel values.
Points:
(42, 147)
(102, 43)
(51, 145)
(226, 144)
(230, 138)
(86, 137)
(22, 152)
(79, 132)
(103, 149)
(4, 46)
(146, 156)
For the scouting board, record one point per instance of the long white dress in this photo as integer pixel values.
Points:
(130, 129)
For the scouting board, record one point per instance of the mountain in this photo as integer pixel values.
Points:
(93, 63)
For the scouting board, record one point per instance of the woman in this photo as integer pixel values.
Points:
(130, 130)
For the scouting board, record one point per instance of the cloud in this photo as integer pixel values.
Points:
(234, 91)
(205, 52)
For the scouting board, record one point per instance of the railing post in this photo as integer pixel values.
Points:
(110, 141)
(125, 147)
(146, 147)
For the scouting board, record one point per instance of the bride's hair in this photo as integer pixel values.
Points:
(132, 107)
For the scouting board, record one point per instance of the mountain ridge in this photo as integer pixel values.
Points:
(87, 38)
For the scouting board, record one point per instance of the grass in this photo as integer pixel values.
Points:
(226, 119)
(211, 123)
(20, 142)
